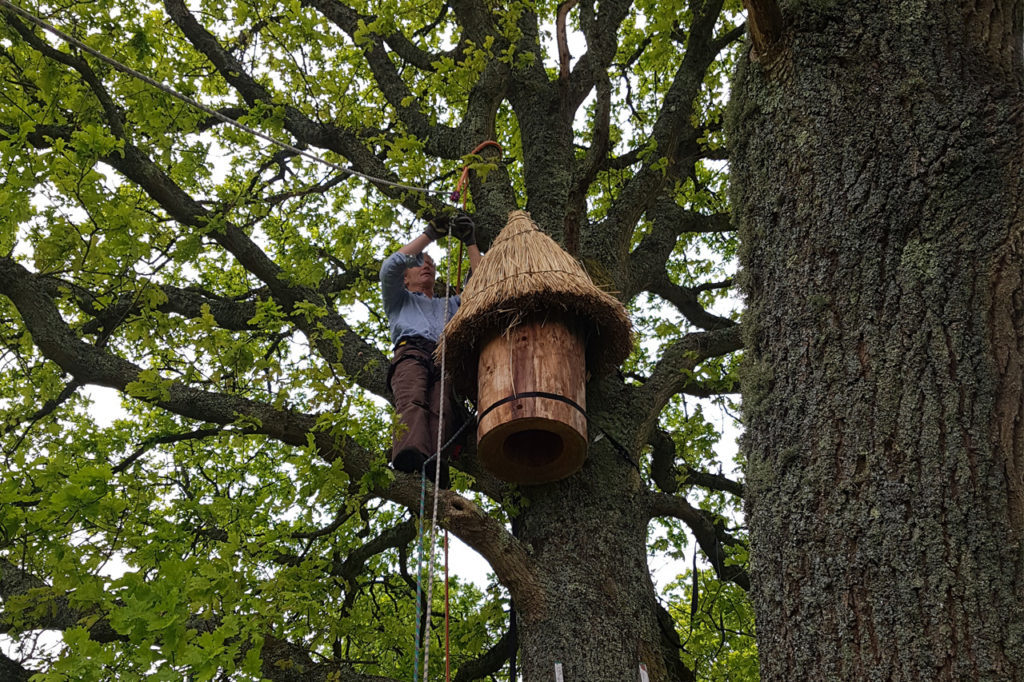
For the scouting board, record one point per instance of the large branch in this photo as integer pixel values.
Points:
(92, 365)
(647, 262)
(489, 662)
(509, 558)
(665, 472)
(187, 302)
(686, 300)
(58, 614)
(674, 134)
(289, 662)
(601, 32)
(361, 361)
(478, 21)
(673, 373)
(364, 363)
(669, 221)
(12, 671)
(707, 529)
(439, 140)
(114, 114)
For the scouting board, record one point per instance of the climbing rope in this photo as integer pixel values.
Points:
(437, 487)
(71, 40)
(447, 628)
(419, 583)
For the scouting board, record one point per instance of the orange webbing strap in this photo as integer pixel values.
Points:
(460, 193)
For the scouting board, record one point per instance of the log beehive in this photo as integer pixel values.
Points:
(530, 327)
(532, 397)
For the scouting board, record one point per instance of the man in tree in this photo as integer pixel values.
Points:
(416, 320)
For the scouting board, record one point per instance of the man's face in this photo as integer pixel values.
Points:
(421, 278)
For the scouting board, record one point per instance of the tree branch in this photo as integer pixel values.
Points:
(664, 471)
(187, 302)
(476, 18)
(686, 302)
(12, 671)
(563, 42)
(439, 140)
(707, 530)
(671, 647)
(506, 555)
(674, 135)
(674, 370)
(647, 262)
(197, 434)
(114, 114)
(46, 410)
(16, 582)
(487, 663)
(396, 536)
(361, 361)
(92, 365)
(601, 33)
(305, 129)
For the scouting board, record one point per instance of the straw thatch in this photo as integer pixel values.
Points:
(526, 274)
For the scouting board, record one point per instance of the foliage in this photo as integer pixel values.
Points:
(716, 627)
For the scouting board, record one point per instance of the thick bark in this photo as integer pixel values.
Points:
(599, 618)
(878, 174)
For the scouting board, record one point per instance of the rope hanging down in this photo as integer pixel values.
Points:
(437, 483)
(28, 16)
(433, 521)
(460, 188)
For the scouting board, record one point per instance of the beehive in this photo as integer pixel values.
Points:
(530, 327)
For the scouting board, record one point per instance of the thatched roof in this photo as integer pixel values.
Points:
(525, 274)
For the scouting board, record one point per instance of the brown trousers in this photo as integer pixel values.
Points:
(415, 381)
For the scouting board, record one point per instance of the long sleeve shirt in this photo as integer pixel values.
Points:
(411, 313)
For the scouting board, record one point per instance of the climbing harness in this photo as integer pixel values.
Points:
(71, 40)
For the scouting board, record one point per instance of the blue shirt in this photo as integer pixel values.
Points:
(411, 313)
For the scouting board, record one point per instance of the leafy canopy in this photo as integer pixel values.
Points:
(230, 513)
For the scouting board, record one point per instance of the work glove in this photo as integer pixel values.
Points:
(438, 227)
(463, 229)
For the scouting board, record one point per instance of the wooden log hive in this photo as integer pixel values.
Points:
(532, 396)
(530, 327)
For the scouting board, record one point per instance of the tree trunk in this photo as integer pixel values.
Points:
(878, 188)
(599, 619)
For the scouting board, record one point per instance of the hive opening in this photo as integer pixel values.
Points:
(532, 448)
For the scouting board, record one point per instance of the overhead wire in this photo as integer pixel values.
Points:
(224, 118)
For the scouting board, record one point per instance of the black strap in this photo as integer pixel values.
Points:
(422, 343)
(531, 394)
